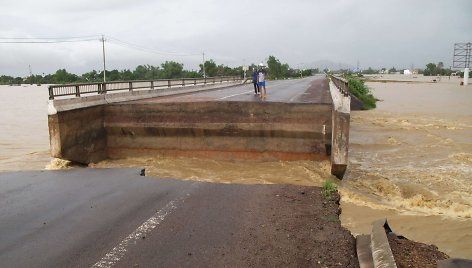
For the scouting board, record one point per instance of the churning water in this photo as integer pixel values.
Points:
(410, 160)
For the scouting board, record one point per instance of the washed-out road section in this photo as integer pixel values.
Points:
(117, 218)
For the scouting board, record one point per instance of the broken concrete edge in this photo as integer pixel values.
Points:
(60, 105)
(381, 252)
(373, 251)
(364, 251)
(338, 170)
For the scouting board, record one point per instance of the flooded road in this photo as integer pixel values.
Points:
(410, 160)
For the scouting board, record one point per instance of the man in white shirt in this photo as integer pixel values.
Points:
(261, 76)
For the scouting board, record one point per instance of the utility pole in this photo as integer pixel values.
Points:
(245, 68)
(467, 63)
(104, 66)
(204, 75)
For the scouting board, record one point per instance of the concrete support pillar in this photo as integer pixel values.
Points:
(341, 116)
(340, 143)
(466, 76)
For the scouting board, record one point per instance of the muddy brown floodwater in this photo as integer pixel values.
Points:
(410, 160)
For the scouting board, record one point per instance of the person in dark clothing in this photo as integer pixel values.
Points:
(255, 73)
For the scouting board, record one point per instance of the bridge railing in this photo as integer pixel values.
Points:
(341, 83)
(77, 90)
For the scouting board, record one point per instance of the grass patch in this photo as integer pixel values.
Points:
(333, 219)
(328, 188)
(361, 91)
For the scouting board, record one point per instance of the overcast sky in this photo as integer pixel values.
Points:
(302, 33)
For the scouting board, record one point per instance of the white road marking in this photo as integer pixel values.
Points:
(115, 255)
(296, 96)
(235, 95)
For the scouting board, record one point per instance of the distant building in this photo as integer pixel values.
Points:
(407, 72)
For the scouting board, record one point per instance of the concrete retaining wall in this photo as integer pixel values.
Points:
(78, 135)
(218, 129)
(229, 130)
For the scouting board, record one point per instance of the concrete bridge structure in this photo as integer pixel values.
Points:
(215, 118)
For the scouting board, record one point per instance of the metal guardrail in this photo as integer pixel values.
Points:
(78, 90)
(341, 83)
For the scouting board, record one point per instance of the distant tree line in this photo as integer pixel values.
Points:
(277, 70)
(431, 69)
(167, 70)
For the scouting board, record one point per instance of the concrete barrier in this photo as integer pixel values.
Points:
(373, 251)
(60, 105)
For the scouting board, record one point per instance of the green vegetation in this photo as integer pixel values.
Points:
(167, 70)
(328, 188)
(361, 91)
(333, 218)
(436, 69)
(277, 70)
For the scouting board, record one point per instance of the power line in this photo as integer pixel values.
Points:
(149, 50)
(116, 41)
(47, 40)
(52, 40)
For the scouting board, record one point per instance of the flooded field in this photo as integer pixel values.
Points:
(410, 160)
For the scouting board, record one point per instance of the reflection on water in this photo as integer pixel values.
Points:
(410, 160)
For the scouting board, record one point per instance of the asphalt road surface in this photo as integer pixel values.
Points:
(70, 218)
(117, 218)
(313, 89)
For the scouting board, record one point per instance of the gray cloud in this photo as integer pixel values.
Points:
(300, 32)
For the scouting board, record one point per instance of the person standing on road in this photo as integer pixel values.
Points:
(261, 76)
(254, 81)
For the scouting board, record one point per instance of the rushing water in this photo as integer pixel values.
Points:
(410, 160)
